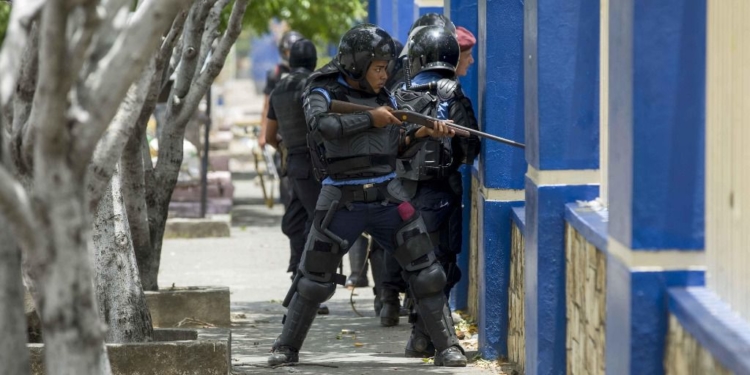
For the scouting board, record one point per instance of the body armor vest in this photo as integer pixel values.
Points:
(369, 153)
(287, 103)
(428, 158)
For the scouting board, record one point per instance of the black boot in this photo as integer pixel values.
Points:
(434, 312)
(451, 357)
(389, 314)
(419, 344)
(297, 322)
(358, 264)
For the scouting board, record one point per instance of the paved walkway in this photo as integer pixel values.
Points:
(252, 263)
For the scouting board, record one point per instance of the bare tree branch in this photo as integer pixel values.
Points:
(190, 38)
(112, 143)
(50, 104)
(22, 16)
(103, 95)
(26, 84)
(170, 149)
(219, 56)
(210, 34)
(81, 40)
(14, 203)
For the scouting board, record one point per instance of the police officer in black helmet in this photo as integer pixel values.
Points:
(275, 75)
(392, 284)
(286, 127)
(429, 19)
(433, 163)
(360, 193)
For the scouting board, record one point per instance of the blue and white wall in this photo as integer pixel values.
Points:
(635, 117)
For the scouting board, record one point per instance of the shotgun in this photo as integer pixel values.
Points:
(338, 106)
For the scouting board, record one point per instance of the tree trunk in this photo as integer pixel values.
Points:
(72, 330)
(122, 303)
(134, 196)
(13, 352)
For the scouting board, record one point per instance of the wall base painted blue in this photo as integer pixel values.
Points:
(494, 220)
(459, 298)
(544, 273)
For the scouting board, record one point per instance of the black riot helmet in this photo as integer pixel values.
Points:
(434, 19)
(359, 47)
(303, 55)
(286, 42)
(433, 48)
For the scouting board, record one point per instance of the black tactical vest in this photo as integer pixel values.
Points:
(370, 153)
(287, 104)
(427, 158)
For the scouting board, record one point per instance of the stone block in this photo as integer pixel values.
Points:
(196, 228)
(186, 357)
(219, 161)
(214, 206)
(192, 192)
(191, 306)
(220, 140)
(174, 334)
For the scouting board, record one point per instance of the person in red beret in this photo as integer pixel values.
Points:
(466, 42)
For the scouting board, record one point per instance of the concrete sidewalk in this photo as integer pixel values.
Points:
(252, 263)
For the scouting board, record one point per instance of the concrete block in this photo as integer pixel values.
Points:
(192, 192)
(219, 161)
(196, 228)
(201, 306)
(214, 206)
(174, 334)
(188, 357)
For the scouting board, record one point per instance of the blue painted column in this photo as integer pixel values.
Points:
(404, 14)
(372, 11)
(656, 172)
(501, 167)
(464, 13)
(424, 10)
(385, 17)
(561, 72)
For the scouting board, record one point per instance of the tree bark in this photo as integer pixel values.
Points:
(13, 352)
(122, 303)
(191, 85)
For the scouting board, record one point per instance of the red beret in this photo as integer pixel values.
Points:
(466, 39)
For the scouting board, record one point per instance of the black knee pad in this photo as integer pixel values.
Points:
(427, 281)
(315, 291)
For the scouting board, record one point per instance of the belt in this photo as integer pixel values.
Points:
(364, 193)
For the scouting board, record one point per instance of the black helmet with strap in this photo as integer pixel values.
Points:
(303, 55)
(434, 19)
(359, 47)
(287, 41)
(433, 48)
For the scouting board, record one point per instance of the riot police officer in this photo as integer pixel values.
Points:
(275, 75)
(433, 162)
(430, 19)
(286, 127)
(357, 155)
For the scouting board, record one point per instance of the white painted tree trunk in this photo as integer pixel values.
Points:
(14, 356)
(195, 74)
(72, 331)
(122, 303)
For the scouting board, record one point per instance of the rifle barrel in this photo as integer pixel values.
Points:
(339, 106)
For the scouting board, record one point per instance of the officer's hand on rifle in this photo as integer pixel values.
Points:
(382, 116)
(439, 129)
